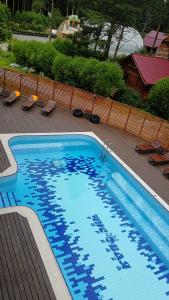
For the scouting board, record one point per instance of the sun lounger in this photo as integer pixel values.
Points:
(48, 108)
(155, 146)
(13, 96)
(158, 159)
(166, 172)
(29, 102)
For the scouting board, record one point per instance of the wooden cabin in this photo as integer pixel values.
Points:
(148, 40)
(141, 72)
(163, 49)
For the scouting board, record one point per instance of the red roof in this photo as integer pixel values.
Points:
(149, 39)
(151, 68)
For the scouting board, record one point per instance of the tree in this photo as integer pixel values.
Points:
(38, 6)
(5, 32)
(159, 100)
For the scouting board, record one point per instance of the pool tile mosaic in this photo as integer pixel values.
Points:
(47, 190)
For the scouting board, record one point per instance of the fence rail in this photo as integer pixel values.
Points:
(113, 113)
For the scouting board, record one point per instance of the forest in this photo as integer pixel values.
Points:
(73, 61)
(37, 15)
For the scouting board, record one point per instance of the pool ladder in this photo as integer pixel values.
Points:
(105, 149)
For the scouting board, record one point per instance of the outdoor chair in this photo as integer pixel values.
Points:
(29, 102)
(155, 146)
(48, 108)
(158, 159)
(13, 96)
(166, 172)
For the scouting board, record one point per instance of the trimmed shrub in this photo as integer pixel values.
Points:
(65, 46)
(34, 54)
(90, 74)
(159, 98)
(108, 75)
(60, 66)
(30, 20)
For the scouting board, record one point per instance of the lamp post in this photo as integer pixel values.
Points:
(158, 30)
(50, 16)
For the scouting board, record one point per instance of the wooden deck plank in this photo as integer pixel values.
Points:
(26, 260)
(31, 256)
(5, 259)
(12, 263)
(20, 271)
(18, 257)
(40, 269)
(3, 285)
(123, 143)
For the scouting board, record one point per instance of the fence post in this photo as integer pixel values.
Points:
(53, 94)
(70, 106)
(127, 118)
(142, 126)
(159, 129)
(94, 98)
(4, 79)
(37, 86)
(109, 112)
(20, 82)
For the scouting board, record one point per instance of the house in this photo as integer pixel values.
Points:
(141, 72)
(150, 37)
(163, 49)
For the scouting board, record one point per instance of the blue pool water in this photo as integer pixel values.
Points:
(110, 237)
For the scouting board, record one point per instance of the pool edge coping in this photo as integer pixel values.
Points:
(13, 165)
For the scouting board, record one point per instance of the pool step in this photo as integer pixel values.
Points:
(8, 199)
(151, 230)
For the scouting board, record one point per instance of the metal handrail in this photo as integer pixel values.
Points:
(105, 149)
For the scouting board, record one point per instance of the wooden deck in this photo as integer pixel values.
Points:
(22, 272)
(4, 162)
(14, 120)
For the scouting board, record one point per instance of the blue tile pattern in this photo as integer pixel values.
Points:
(40, 178)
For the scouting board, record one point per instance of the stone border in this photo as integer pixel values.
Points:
(54, 274)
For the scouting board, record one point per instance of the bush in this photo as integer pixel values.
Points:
(57, 18)
(90, 74)
(65, 46)
(133, 98)
(60, 68)
(159, 98)
(30, 20)
(4, 13)
(34, 54)
(5, 32)
(108, 75)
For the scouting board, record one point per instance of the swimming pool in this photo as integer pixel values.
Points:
(109, 235)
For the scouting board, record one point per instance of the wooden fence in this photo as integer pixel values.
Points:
(111, 112)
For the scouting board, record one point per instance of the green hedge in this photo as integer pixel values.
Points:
(30, 20)
(34, 54)
(89, 74)
(159, 98)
